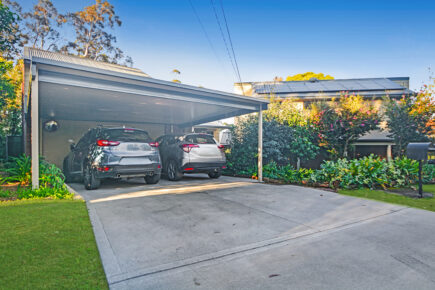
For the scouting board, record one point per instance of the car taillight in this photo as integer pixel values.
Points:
(154, 144)
(187, 147)
(221, 147)
(107, 143)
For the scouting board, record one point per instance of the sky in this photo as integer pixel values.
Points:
(345, 39)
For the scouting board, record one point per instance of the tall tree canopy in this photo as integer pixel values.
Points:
(307, 76)
(411, 119)
(9, 32)
(92, 37)
(41, 25)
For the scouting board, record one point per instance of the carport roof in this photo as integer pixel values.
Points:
(74, 88)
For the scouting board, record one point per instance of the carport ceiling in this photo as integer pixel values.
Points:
(73, 91)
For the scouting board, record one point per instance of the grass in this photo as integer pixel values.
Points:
(423, 203)
(48, 244)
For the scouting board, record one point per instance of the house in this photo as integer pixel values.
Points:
(313, 90)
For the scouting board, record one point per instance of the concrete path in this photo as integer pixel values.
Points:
(234, 233)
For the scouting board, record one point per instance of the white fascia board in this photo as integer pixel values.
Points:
(107, 87)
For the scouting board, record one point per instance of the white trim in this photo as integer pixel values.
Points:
(111, 88)
(35, 130)
(260, 145)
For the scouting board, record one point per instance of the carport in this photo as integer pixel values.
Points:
(80, 93)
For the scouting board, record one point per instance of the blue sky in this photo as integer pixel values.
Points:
(346, 39)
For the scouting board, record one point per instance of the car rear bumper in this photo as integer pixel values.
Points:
(120, 171)
(199, 167)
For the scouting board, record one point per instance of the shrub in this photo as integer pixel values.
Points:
(19, 170)
(428, 173)
(51, 179)
(370, 172)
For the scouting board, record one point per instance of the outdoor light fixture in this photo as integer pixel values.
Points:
(51, 126)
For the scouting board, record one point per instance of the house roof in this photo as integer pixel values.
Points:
(369, 87)
(35, 54)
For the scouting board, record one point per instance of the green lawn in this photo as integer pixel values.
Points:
(423, 203)
(48, 244)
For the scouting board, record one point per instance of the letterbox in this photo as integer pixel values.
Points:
(420, 151)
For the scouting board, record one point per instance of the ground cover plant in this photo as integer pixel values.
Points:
(48, 244)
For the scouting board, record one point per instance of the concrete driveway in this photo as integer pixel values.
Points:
(234, 233)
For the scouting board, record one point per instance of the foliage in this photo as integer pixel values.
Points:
(341, 122)
(371, 172)
(9, 32)
(307, 76)
(48, 244)
(417, 112)
(287, 111)
(281, 144)
(92, 37)
(19, 170)
(51, 178)
(11, 77)
(368, 172)
(41, 24)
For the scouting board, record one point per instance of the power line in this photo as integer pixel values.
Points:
(205, 32)
(232, 47)
(223, 37)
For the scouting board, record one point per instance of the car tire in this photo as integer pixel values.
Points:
(152, 179)
(173, 171)
(89, 179)
(215, 175)
(66, 173)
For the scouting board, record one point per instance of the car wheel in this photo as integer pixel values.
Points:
(173, 171)
(152, 179)
(89, 179)
(215, 175)
(66, 173)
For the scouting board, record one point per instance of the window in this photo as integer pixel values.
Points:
(200, 139)
(126, 135)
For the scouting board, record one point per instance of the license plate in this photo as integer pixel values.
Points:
(135, 161)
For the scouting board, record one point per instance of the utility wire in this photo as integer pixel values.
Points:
(223, 37)
(205, 33)
(232, 47)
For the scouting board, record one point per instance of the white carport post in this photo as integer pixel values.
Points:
(35, 127)
(260, 145)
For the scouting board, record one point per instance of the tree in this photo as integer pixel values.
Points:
(302, 142)
(307, 76)
(341, 122)
(9, 32)
(92, 38)
(41, 23)
(10, 103)
(411, 119)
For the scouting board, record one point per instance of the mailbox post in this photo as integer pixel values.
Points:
(419, 152)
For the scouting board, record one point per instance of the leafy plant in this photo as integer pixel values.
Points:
(19, 170)
(51, 179)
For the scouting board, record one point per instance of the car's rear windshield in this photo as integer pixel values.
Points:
(200, 139)
(126, 135)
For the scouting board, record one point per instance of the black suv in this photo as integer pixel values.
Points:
(113, 153)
